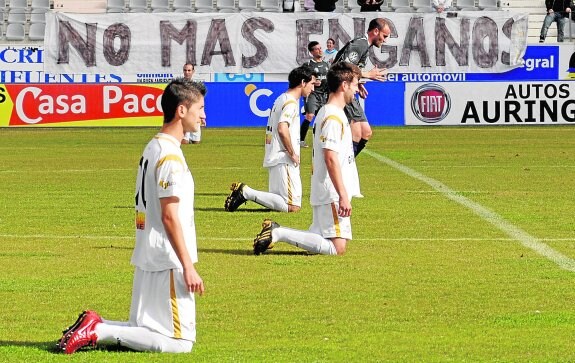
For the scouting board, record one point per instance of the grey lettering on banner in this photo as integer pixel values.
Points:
(69, 36)
(485, 28)
(119, 57)
(188, 34)
(305, 27)
(390, 50)
(338, 33)
(249, 27)
(507, 27)
(443, 37)
(415, 41)
(218, 33)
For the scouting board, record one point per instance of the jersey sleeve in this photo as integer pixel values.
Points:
(331, 133)
(170, 176)
(289, 112)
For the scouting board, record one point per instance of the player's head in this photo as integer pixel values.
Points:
(378, 31)
(184, 99)
(303, 76)
(314, 49)
(330, 44)
(344, 77)
(189, 70)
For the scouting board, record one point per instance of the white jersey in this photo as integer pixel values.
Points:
(332, 131)
(285, 109)
(162, 173)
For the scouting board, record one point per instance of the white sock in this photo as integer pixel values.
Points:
(140, 339)
(309, 241)
(268, 200)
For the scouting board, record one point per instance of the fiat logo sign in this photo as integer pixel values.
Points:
(430, 103)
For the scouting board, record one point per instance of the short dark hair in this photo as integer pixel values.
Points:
(189, 64)
(181, 91)
(377, 23)
(332, 40)
(302, 73)
(311, 44)
(341, 72)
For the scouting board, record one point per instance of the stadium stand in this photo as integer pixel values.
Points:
(36, 32)
(32, 9)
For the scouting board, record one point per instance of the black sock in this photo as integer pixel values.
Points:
(357, 147)
(303, 129)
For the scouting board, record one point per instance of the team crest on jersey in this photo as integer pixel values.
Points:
(353, 57)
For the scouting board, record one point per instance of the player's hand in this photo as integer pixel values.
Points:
(362, 91)
(344, 209)
(193, 281)
(378, 74)
(295, 159)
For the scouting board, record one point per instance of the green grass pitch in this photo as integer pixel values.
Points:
(425, 279)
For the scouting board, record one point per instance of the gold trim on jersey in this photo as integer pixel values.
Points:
(161, 137)
(288, 102)
(335, 118)
(170, 157)
(335, 220)
(289, 184)
(175, 312)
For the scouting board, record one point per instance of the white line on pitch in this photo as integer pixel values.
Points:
(486, 214)
(239, 239)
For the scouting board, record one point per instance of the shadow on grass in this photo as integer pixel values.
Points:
(243, 210)
(249, 252)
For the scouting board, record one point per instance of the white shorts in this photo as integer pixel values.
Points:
(194, 136)
(162, 303)
(285, 181)
(328, 223)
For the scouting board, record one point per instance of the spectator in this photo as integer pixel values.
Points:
(325, 5)
(557, 11)
(370, 5)
(330, 51)
(441, 5)
(309, 5)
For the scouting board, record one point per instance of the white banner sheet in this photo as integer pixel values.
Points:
(501, 103)
(132, 43)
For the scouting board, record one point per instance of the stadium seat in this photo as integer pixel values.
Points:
(182, 6)
(270, 6)
(18, 4)
(36, 31)
(116, 6)
(40, 5)
(38, 16)
(204, 6)
(470, 8)
(16, 17)
(465, 4)
(15, 32)
(487, 4)
(352, 5)
(404, 10)
(248, 5)
(421, 4)
(158, 6)
(226, 6)
(425, 9)
(397, 4)
(138, 6)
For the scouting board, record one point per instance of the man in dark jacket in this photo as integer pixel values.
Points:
(557, 11)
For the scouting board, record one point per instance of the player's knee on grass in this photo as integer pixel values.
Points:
(340, 245)
(293, 208)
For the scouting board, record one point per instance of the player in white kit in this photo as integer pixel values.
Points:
(162, 313)
(334, 179)
(282, 150)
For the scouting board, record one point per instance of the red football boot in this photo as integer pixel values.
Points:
(81, 333)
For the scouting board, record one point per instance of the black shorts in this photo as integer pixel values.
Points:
(314, 102)
(354, 111)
